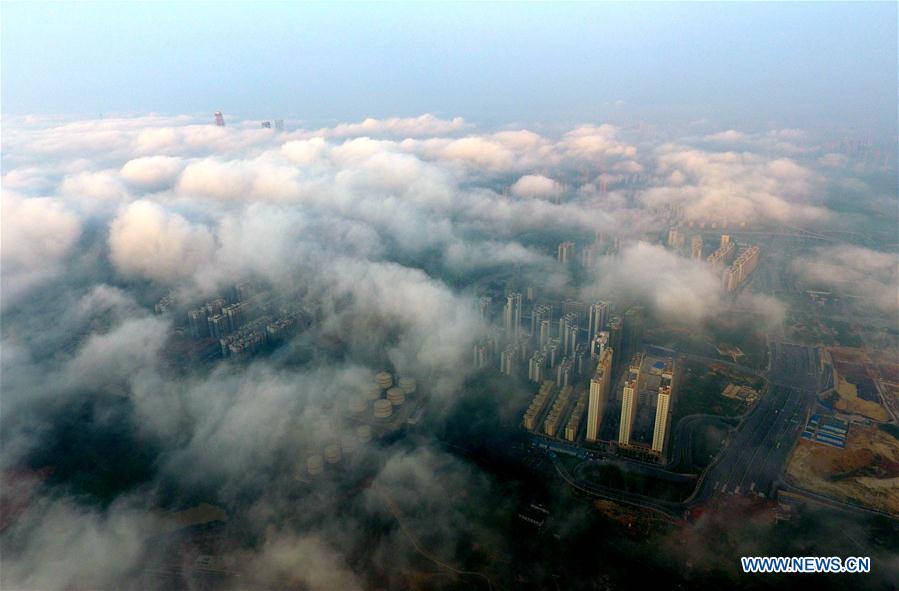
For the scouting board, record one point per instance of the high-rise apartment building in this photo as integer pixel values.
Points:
(539, 313)
(597, 316)
(196, 321)
(568, 329)
(616, 337)
(555, 352)
(741, 269)
(576, 417)
(588, 256)
(599, 344)
(564, 372)
(557, 411)
(508, 359)
(512, 315)
(565, 252)
(628, 412)
(633, 331)
(484, 307)
(546, 329)
(661, 425)
(575, 307)
(600, 385)
(720, 256)
(537, 367)
(675, 238)
(696, 247)
(481, 355)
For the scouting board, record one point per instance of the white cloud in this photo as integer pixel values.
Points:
(423, 125)
(731, 135)
(305, 152)
(37, 234)
(111, 359)
(591, 142)
(92, 189)
(537, 186)
(147, 241)
(868, 274)
(734, 186)
(682, 290)
(151, 173)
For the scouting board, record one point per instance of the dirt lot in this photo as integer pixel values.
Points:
(854, 382)
(865, 472)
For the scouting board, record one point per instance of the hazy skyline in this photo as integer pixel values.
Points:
(759, 65)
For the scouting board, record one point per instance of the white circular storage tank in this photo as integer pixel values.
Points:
(408, 384)
(383, 409)
(396, 396)
(314, 465)
(384, 379)
(358, 404)
(363, 433)
(373, 392)
(332, 453)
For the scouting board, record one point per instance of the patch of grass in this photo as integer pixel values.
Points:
(700, 393)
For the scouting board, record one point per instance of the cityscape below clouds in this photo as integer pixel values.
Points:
(484, 296)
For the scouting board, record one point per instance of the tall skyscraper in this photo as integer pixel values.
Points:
(600, 384)
(597, 316)
(628, 412)
(661, 425)
(512, 315)
(219, 119)
(565, 252)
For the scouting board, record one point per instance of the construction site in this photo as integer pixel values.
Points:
(865, 471)
(856, 383)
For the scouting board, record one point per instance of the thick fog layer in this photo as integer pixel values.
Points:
(382, 234)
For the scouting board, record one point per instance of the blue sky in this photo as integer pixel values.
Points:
(758, 64)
